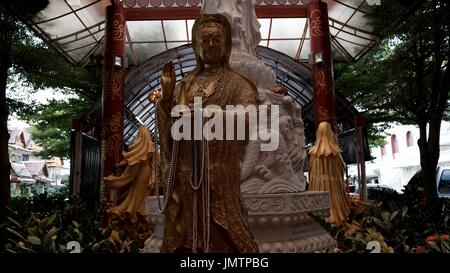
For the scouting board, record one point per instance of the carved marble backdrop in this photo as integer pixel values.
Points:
(278, 171)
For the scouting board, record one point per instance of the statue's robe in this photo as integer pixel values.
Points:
(229, 228)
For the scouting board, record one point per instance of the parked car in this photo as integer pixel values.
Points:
(372, 188)
(442, 186)
(443, 182)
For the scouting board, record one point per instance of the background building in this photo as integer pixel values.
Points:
(399, 159)
(28, 170)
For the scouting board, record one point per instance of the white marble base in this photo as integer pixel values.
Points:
(279, 222)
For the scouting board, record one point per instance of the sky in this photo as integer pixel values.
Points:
(13, 122)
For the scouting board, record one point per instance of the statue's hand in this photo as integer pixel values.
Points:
(168, 80)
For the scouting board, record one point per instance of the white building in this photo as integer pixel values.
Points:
(399, 159)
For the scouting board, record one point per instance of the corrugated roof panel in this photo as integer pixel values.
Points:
(68, 24)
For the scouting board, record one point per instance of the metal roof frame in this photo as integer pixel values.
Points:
(344, 28)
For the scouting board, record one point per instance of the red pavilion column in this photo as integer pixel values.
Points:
(113, 92)
(326, 168)
(322, 67)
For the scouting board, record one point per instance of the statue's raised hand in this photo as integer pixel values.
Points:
(168, 80)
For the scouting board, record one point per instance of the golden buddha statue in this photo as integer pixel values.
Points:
(206, 214)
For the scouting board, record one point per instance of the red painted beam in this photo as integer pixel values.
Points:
(143, 14)
(285, 11)
(169, 13)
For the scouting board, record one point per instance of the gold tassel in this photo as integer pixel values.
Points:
(326, 172)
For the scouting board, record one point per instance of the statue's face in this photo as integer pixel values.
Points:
(211, 44)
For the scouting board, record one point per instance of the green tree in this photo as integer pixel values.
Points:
(8, 28)
(405, 79)
(51, 124)
(26, 59)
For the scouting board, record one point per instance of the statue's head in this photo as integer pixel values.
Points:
(211, 39)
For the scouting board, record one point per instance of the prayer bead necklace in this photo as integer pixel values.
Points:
(172, 167)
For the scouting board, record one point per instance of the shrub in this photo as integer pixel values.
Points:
(398, 222)
(47, 223)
